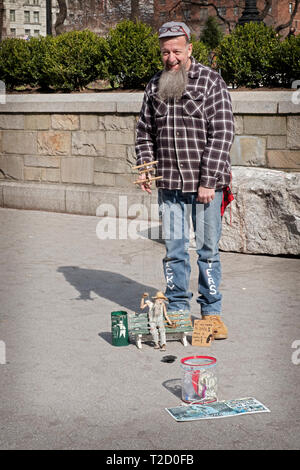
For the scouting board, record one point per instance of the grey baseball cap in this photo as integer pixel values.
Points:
(174, 28)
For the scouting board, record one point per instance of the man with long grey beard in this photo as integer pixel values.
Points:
(186, 124)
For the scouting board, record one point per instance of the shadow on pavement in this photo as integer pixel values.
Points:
(106, 335)
(173, 386)
(112, 286)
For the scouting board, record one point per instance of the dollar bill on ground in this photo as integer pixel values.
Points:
(218, 409)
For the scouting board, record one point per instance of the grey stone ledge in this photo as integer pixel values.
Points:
(71, 103)
(261, 102)
(69, 198)
(288, 107)
(244, 102)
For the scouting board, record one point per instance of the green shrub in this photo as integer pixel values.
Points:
(211, 35)
(287, 61)
(74, 59)
(200, 52)
(15, 62)
(246, 56)
(38, 48)
(135, 54)
(251, 56)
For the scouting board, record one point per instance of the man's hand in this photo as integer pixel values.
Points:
(145, 186)
(205, 195)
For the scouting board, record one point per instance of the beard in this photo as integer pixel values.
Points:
(172, 83)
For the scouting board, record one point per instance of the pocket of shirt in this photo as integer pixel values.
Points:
(193, 104)
(160, 107)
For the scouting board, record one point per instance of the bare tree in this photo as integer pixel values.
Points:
(240, 4)
(289, 23)
(121, 9)
(135, 10)
(200, 5)
(1, 18)
(62, 14)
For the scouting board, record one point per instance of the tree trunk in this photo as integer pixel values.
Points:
(1, 18)
(293, 14)
(62, 14)
(135, 10)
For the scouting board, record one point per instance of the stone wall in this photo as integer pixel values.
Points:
(68, 148)
(89, 139)
(69, 152)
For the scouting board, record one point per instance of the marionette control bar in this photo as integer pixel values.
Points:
(147, 169)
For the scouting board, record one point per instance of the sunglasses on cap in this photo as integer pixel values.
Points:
(173, 29)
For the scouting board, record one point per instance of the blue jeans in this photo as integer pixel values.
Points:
(177, 209)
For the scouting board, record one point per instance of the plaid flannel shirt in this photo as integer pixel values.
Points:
(190, 137)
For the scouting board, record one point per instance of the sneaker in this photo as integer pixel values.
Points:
(163, 348)
(156, 346)
(220, 330)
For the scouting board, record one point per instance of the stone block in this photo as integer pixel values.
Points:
(119, 202)
(276, 142)
(116, 151)
(265, 125)
(265, 213)
(54, 143)
(104, 179)
(77, 170)
(89, 122)
(238, 125)
(61, 103)
(51, 175)
(120, 137)
(111, 165)
(32, 173)
(88, 143)
(248, 151)
(67, 122)
(106, 195)
(78, 201)
(12, 166)
(113, 122)
(288, 159)
(41, 161)
(293, 132)
(130, 103)
(11, 121)
(124, 181)
(19, 142)
(131, 155)
(253, 107)
(37, 122)
(34, 196)
(95, 200)
(289, 107)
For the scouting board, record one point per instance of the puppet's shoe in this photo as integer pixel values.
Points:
(163, 348)
(220, 330)
(156, 346)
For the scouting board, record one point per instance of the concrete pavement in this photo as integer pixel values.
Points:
(64, 386)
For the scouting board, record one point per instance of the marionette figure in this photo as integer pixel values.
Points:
(157, 314)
